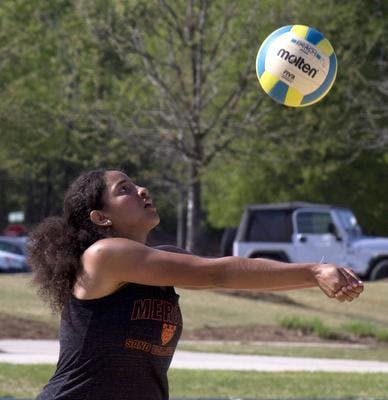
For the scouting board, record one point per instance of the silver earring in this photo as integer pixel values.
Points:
(108, 222)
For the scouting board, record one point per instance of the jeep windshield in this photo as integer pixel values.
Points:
(349, 223)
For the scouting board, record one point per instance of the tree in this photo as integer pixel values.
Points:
(55, 118)
(168, 89)
(327, 152)
(196, 57)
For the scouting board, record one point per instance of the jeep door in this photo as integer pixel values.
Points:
(314, 237)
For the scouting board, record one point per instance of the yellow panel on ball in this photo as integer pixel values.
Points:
(293, 98)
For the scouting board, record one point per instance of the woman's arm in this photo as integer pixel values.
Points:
(118, 260)
(175, 249)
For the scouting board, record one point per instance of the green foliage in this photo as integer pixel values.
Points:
(315, 326)
(76, 92)
(332, 152)
(55, 122)
(352, 328)
(361, 329)
(382, 335)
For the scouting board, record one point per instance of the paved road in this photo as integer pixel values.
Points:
(46, 351)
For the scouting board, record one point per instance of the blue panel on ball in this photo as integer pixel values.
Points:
(325, 84)
(260, 61)
(313, 36)
(279, 92)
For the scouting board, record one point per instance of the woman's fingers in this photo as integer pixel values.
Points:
(340, 283)
(354, 286)
(357, 283)
(346, 294)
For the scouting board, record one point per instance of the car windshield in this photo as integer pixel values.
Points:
(13, 245)
(22, 245)
(349, 223)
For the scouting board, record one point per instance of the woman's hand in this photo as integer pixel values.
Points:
(337, 282)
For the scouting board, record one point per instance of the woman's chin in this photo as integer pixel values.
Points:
(156, 220)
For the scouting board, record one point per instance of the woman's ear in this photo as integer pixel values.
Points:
(98, 218)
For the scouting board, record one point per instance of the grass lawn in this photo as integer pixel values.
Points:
(209, 308)
(203, 309)
(282, 385)
(307, 303)
(26, 381)
(19, 299)
(23, 380)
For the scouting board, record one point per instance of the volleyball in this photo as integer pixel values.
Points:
(296, 65)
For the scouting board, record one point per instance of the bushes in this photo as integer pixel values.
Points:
(348, 331)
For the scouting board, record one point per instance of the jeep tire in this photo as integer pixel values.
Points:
(380, 270)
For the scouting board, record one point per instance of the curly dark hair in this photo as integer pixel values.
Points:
(55, 246)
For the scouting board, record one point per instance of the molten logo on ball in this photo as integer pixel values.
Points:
(296, 65)
(298, 61)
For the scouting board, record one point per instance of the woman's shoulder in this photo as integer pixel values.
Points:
(171, 248)
(105, 247)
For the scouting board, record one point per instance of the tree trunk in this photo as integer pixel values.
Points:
(194, 214)
(47, 200)
(181, 227)
(3, 199)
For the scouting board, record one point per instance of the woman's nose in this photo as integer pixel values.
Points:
(143, 192)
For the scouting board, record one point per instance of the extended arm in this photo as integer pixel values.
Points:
(121, 260)
(174, 249)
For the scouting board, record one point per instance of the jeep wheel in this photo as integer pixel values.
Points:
(227, 241)
(380, 271)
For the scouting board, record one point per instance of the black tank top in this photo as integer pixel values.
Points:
(117, 347)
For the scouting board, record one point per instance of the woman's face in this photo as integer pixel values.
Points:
(128, 207)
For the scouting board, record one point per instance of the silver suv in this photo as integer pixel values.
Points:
(308, 232)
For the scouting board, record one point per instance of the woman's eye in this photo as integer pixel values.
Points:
(124, 188)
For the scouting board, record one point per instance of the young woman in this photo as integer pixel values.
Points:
(120, 318)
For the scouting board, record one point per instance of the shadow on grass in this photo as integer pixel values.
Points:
(270, 297)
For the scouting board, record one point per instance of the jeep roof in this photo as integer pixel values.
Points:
(272, 222)
(289, 205)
